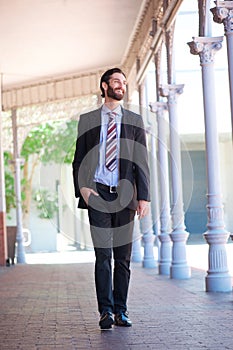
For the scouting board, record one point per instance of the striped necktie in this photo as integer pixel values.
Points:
(111, 143)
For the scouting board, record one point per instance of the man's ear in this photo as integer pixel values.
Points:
(104, 86)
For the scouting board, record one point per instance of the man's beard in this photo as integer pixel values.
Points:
(114, 95)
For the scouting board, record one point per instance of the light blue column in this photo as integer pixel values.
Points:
(17, 164)
(179, 236)
(148, 239)
(164, 261)
(223, 13)
(218, 278)
(3, 232)
(137, 242)
(154, 183)
(20, 251)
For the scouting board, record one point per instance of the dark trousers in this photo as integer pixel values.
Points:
(111, 233)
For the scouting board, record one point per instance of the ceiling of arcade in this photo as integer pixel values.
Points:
(53, 52)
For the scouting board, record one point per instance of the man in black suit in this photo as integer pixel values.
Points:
(111, 180)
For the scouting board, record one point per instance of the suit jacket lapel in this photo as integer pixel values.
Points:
(95, 126)
(126, 131)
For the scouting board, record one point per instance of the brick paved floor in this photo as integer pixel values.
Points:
(53, 306)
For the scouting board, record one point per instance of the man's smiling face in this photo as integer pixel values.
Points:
(116, 87)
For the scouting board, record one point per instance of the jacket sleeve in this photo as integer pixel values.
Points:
(80, 152)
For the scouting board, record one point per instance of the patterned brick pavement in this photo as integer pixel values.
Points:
(45, 307)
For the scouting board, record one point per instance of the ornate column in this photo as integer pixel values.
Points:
(17, 165)
(223, 13)
(146, 224)
(179, 267)
(137, 238)
(164, 261)
(148, 239)
(218, 278)
(153, 163)
(3, 239)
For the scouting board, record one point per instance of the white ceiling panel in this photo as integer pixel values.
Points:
(45, 39)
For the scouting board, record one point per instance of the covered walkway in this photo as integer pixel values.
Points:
(53, 306)
(41, 304)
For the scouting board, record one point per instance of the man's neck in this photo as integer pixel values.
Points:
(112, 104)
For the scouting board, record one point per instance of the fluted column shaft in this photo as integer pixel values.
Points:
(3, 237)
(17, 164)
(164, 261)
(218, 278)
(223, 13)
(154, 183)
(179, 267)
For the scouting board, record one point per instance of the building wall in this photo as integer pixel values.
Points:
(195, 207)
(194, 191)
(226, 167)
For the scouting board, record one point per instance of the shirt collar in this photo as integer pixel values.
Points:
(117, 110)
(106, 110)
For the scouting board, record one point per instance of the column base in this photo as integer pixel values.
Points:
(218, 278)
(136, 258)
(20, 253)
(180, 272)
(179, 266)
(136, 251)
(148, 259)
(219, 283)
(21, 260)
(165, 254)
(149, 264)
(164, 269)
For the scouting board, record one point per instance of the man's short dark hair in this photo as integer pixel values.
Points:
(106, 77)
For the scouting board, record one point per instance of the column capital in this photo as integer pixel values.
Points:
(171, 91)
(223, 13)
(205, 47)
(158, 107)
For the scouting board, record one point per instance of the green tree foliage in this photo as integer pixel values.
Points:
(9, 182)
(51, 142)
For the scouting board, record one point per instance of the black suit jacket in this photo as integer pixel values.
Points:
(133, 167)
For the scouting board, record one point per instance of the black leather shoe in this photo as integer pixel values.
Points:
(106, 320)
(122, 319)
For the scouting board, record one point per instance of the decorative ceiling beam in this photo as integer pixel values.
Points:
(51, 91)
(154, 15)
(164, 17)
